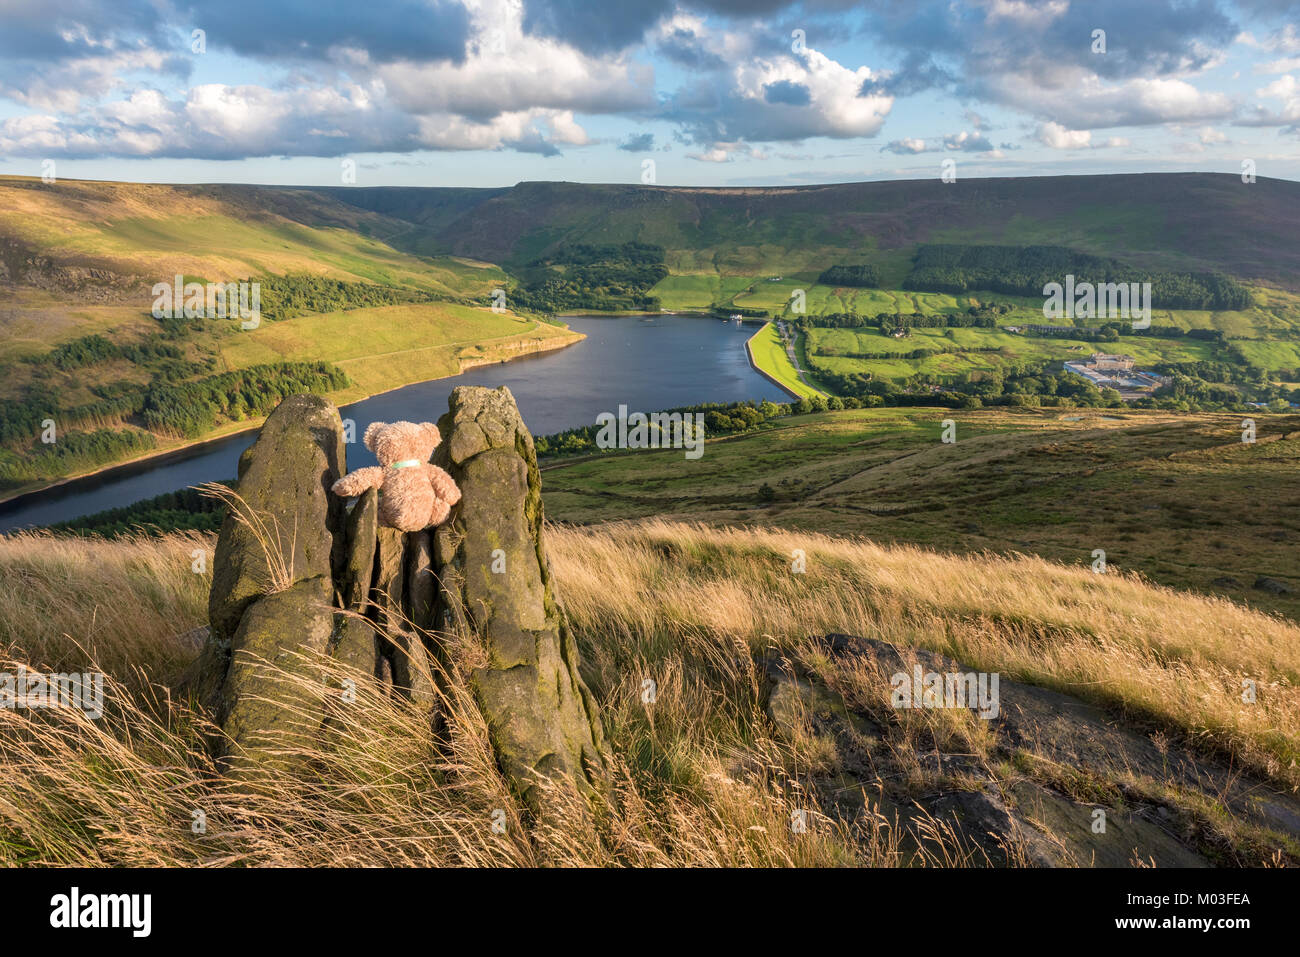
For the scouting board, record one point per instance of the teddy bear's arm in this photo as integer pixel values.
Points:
(444, 486)
(354, 483)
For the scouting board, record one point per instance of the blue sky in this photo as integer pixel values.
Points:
(714, 92)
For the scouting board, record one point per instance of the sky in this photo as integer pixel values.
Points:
(690, 93)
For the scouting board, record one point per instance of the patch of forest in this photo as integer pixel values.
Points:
(864, 276)
(584, 276)
(39, 441)
(298, 294)
(1025, 270)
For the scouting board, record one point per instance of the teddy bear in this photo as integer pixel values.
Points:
(413, 494)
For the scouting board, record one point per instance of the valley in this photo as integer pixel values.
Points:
(377, 289)
(899, 468)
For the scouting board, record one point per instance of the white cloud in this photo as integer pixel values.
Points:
(510, 71)
(715, 155)
(1287, 90)
(1057, 137)
(834, 106)
(1283, 88)
(907, 144)
(1078, 101)
(1285, 40)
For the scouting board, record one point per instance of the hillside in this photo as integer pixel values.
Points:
(1179, 499)
(104, 238)
(1116, 696)
(775, 252)
(343, 312)
(1197, 221)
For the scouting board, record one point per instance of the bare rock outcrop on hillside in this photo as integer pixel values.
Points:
(296, 571)
(494, 582)
(1103, 806)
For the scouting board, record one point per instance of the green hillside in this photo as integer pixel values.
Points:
(85, 362)
(767, 250)
(1176, 221)
(1180, 499)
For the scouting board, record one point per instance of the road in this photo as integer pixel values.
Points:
(789, 351)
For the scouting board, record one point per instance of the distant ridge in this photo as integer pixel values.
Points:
(1198, 222)
(1189, 221)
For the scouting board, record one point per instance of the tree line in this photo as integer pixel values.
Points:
(189, 409)
(1025, 270)
(584, 276)
(70, 452)
(297, 294)
(172, 511)
(982, 316)
(91, 349)
(720, 418)
(864, 276)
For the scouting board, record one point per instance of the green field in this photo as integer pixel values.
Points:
(761, 292)
(697, 291)
(1178, 498)
(768, 353)
(391, 346)
(1268, 334)
(832, 348)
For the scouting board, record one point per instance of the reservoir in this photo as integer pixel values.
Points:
(647, 363)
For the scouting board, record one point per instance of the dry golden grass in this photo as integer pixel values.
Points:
(1168, 657)
(67, 601)
(375, 790)
(699, 776)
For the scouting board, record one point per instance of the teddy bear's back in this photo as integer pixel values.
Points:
(405, 499)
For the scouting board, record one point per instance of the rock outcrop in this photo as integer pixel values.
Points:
(910, 783)
(494, 583)
(296, 573)
(272, 576)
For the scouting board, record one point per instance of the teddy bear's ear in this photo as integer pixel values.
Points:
(432, 435)
(372, 432)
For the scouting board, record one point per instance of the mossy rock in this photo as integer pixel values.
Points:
(284, 483)
(267, 696)
(494, 581)
(358, 572)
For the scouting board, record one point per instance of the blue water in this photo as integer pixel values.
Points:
(644, 362)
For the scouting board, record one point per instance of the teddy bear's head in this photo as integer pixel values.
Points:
(401, 441)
